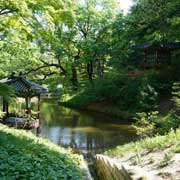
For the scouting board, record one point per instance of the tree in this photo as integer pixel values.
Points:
(23, 26)
(86, 43)
(80, 49)
(148, 21)
(157, 19)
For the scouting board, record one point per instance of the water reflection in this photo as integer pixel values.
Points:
(82, 131)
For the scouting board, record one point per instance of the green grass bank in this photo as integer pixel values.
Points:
(151, 158)
(157, 143)
(25, 156)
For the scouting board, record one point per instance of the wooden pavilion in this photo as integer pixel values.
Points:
(158, 53)
(25, 89)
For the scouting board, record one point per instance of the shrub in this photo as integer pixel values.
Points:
(132, 92)
(176, 95)
(168, 122)
(145, 124)
(147, 96)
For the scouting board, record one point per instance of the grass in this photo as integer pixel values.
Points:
(171, 140)
(166, 159)
(24, 156)
(157, 156)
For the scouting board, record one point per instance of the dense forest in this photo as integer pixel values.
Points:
(75, 43)
(89, 51)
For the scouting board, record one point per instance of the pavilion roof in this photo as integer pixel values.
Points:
(163, 45)
(24, 87)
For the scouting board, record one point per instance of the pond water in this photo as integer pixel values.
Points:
(85, 132)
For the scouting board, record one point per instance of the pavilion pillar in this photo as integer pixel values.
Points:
(5, 106)
(39, 100)
(38, 129)
(28, 107)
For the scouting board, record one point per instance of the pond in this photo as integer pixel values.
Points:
(86, 132)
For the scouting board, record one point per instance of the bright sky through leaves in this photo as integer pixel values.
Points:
(125, 5)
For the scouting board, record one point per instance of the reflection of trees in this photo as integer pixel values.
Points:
(99, 142)
(89, 142)
(61, 134)
(102, 135)
(75, 119)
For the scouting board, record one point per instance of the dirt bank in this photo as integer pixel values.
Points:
(107, 108)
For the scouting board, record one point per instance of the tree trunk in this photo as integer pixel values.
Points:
(90, 70)
(74, 78)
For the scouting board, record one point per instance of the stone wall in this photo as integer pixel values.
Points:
(85, 170)
(108, 169)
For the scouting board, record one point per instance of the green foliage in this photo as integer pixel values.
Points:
(139, 159)
(139, 94)
(150, 124)
(76, 41)
(147, 96)
(163, 12)
(166, 123)
(89, 48)
(176, 95)
(145, 124)
(2, 114)
(126, 92)
(166, 159)
(148, 21)
(101, 90)
(24, 156)
(156, 143)
(15, 55)
(172, 119)
(27, 29)
(6, 92)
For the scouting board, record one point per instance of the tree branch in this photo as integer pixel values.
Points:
(4, 11)
(46, 66)
(54, 65)
(48, 74)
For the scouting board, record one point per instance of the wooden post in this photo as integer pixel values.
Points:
(7, 108)
(4, 105)
(38, 130)
(38, 115)
(28, 107)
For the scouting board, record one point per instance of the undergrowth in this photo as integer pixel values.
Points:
(24, 156)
